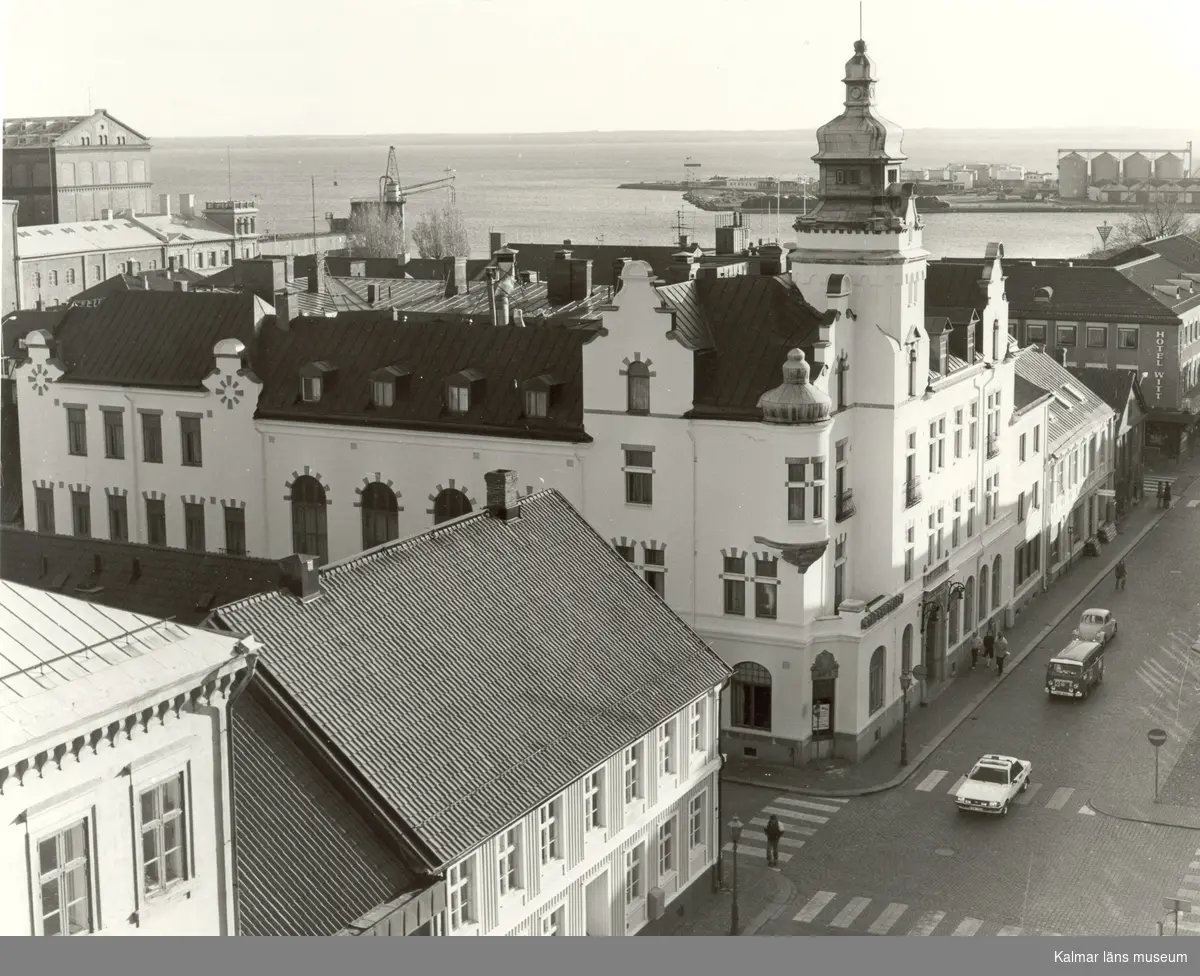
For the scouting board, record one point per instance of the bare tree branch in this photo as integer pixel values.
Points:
(374, 233)
(1158, 219)
(441, 234)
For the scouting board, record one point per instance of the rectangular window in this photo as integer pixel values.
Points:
(1097, 336)
(549, 844)
(1036, 500)
(65, 882)
(696, 726)
(1127, 337)
(152, 438)
(932, 448)
(310, 389)
(634, 882)
(639, 477)
(156, 522)
(77, 431)
(654, 569)
(696, 821)
(1065, 335)
(1021, 507)
(766, 586)
(212, 259)
(189, 434)
(909, 539)
(114, 434)
(458, 399)
(941, 443)
(666, 848)
(1021, 448)
(633, 773)
(508, 860)
(118, 519)
(460, 896)
(45, 509)
(973, 439)
(553, 922)
(735, 585)
(383, 393)
(1037, 438)
(81, 513)
(193, 525)
(958, 433)
(839, 572)
(235, 530)
(537, 403)
(666, 749)
(971, 497)
(593, 800)
(164, 836)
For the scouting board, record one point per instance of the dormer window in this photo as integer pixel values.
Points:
(316, 379)
(461, 389)
(388, 385)
(638, 377)
(540, 395)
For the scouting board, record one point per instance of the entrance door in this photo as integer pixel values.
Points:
(929, 652)
(598, 907)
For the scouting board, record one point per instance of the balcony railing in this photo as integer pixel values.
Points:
(845, 505)
(912, 492)
(993, 445)
(940, 570)
(876, 614)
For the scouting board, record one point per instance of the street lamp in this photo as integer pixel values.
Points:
(735, 834)
(906, 682)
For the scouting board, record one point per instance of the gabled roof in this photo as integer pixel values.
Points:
(308, 864)
(83, 237)
(45, 130)
(467, 698)
(431, 349)
(171, 584)
(1113, 386)
(1073, 407)
(159, 279)
(741, 329)
(153, 339)
(1081, 292)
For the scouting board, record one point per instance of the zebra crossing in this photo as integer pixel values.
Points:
(1059, 800)
(871, 916)
(1151, 482)
(1189, 923)
(800, 818)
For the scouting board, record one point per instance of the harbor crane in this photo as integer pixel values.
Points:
(393, 196)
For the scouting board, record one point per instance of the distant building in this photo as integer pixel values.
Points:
(73, 168)
(964, 179)
(1121, 389)
(8, 262)
(1006, 173)
(1080, 171)
(113, 769)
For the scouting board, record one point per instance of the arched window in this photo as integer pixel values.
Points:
(450, 503)
(309, 534)
(639, 387)
(969, 605)
(996, 584)
(983, 594)
(37, 279)
(70, 276)
(380, 515)
(750, 697)
(906, 649)
(54, 277)
(876, 679)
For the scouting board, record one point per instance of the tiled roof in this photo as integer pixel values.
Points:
(742, 329)
(153, 339)
(474, 671)
(171, 584)
(44, 130)
(307, 863)
(429, 351)
(1181, 250)
(1113, 386)
(1068, 414)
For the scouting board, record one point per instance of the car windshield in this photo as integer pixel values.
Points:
(988, 774)
(1092, 618)
(1065, 667)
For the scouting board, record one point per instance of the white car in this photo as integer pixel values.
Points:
(1097, 625)
(993, 784)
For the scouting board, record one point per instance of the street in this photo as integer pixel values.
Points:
(906, 862)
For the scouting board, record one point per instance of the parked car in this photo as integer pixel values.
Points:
(993, 784)
(1097, 625)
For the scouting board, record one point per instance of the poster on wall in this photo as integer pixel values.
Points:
(822, 712)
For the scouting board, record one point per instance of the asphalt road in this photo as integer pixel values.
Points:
(907, 860)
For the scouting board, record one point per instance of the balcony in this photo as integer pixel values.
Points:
(912, 492)
(845, 505)
(940, 570)
(993, 446)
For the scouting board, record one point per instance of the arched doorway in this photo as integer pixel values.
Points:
(875, 675)
(450, 503)
(750, 697)
(310, 535)
(983, 594)
(380, 515)
(906, 649)
(997, 579)
(824, 703)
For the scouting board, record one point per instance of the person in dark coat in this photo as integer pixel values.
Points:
(774, 831)
(989, 644)
(1161, 491)
(1167, 495)
(1122, 572)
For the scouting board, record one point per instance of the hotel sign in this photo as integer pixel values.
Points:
(1160, 366)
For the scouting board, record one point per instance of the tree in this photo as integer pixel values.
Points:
(441, 234)
(374, 233)
(1153, 220)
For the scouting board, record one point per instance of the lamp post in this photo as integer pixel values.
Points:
(735, 834)
(719, 878)
(906, 682)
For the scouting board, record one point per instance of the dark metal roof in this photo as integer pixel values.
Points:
(1113, 386)
(742, 329)
(1068, 414)
(160, 279)
(155, 339)
(954, 290)
(604, 258)
(472, 672)
(170, 584)
(431, 349)
(17, 325)
(308, 864)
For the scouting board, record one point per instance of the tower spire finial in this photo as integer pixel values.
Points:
(860, 33)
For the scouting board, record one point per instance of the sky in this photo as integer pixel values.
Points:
(350, 67)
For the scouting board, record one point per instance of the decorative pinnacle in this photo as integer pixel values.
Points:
(860, 47)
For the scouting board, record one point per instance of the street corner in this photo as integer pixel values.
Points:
(762, 893)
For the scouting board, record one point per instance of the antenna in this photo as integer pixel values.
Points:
(860, 33)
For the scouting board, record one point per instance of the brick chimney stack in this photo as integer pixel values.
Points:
(502, 500)
(301, 576)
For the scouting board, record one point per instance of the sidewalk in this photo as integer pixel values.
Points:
(762, 895)
(958, 697)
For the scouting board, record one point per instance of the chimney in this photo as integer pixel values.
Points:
(771, 260)
(187, 204)
(498, 241)
(1061, 352)
(683, 242)
(180, 285)
(506, 261)
(581, 279)
(164, 204)
(371, 291)
(283, 309)
(939, 341)
(491, 280)
(106, 214)
(301, 576)
(316, 277)
(503, 305)
(502, 501)
(456, 276)
(558, 278)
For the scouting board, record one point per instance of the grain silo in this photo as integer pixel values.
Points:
(1136, 168)
(1072, 177)
(1168, 167)
(1105, 167)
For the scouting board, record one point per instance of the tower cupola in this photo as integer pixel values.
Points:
(797, 401)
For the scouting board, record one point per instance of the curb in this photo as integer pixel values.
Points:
(971, 706)
(772, 911)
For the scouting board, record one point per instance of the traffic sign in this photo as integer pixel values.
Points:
(1176, 905)
(1157, 737)
(920, 671)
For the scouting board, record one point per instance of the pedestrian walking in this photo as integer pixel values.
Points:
(774, 831)
(1122, 572)
(976, 647)
(1001, 654)
(1167, 494)
(1162, 485)
(989, 643)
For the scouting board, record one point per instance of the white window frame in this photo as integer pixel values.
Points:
(973, 430)
(48, 829)
(668, 853)
(155, 785)
(554, 921)
(537, 403)
(460, 895)
(508, 861)
(635, 874)
(698, 821)
(655, 574)
(549, 833)
(972, 498)
(811, 486)
(910, 551)
(383, 393)
(696, 736)
(633, 783)
(637, 469)
(458, 398)
(958, 433)
(667, 765)
(593, 801)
